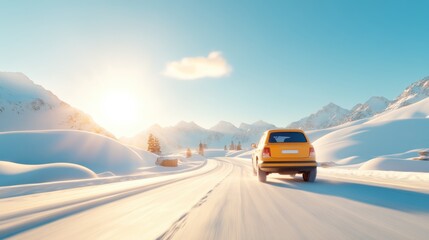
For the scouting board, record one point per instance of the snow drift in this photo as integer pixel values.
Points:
(392, 132)
(14, 173)
(93, 151)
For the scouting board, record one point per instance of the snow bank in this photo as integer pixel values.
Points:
(360, 143)
(95, 152)
(14, 173)
(392, 164)
(149, 158)
(416, 110)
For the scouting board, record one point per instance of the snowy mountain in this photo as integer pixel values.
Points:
(412, 94)
(370, 108)
(330, 115)
(390, 136)
(189, 135)
(257, 127)
(225, 127)
(27, 106)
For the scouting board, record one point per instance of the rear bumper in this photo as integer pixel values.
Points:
(287, 167)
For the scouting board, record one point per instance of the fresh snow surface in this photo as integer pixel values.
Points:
(394, 164)
(416, 110)
(92, 151)
(393, 132)
(360, 143)
(14, 173)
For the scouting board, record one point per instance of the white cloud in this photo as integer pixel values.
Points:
(191, 68)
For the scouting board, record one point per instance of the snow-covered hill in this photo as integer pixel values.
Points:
(189, 135)
(333, 115)
(49, 155)
(27, 106)
(376, 139)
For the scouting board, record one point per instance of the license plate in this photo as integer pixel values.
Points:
(289, 151)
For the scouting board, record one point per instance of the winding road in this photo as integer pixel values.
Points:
(221, 200)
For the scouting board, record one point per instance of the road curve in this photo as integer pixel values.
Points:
(289, 208)
(222, 200)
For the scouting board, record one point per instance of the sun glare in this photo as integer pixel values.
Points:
(119, 109)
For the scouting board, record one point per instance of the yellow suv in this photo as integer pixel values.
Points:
(284, 151)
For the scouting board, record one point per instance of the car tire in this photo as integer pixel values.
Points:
(262, 176)
(310, 176)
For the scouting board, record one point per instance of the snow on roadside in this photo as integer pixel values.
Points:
(398, 178)
(62, 155)
(149, 171)
(95, 152)
(392, 164)
(360, 143)
(14, 173)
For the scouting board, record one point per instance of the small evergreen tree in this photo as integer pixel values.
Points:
(153, 144)
(225, 148)
(201, 149)
(232, 146)
(239, 146)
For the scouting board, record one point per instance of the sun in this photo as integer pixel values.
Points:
(119, 109)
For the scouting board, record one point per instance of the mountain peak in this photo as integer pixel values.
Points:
(187, 125)
(329, 115)
(331, 106)
(25, 105)
(412, 94)
(261, 123)
(16, 86)
(224, 127)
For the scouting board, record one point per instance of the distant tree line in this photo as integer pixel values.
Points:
(233, 146)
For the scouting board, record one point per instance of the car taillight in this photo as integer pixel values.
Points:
(266, 152)
(312, 153)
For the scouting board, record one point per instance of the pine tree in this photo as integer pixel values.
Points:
(239, 146)
(201, 149)
(153, 144)
(232, 146)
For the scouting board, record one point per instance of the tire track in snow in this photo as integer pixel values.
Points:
(169, 234)
(15, 223)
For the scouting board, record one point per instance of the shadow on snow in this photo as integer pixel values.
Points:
(397, 199)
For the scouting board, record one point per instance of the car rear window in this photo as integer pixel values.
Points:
(282, 137)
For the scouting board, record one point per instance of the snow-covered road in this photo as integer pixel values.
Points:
(221, 200)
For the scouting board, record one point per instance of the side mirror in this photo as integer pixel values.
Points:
(253, 145)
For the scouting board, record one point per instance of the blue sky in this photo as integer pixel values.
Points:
(287, 59)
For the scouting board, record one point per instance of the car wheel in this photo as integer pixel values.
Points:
(262, 176)
(310, 176)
